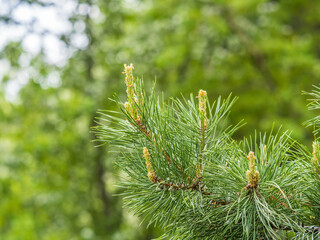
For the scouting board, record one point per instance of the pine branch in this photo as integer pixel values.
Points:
(196, 181)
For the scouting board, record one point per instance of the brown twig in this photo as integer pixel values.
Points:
(196, 185)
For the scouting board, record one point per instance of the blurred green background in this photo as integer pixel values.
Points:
(61, 60)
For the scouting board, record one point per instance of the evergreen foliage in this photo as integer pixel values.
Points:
(183, 171)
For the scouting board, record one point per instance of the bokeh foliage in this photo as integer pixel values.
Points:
(54, 183)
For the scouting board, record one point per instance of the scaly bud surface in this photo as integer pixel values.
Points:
(202, 96)
(129, 80)
(151, 173)
(315, 153)
(253, 175)
(315, 158)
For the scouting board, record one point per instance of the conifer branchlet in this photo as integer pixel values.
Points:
(185, 139)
